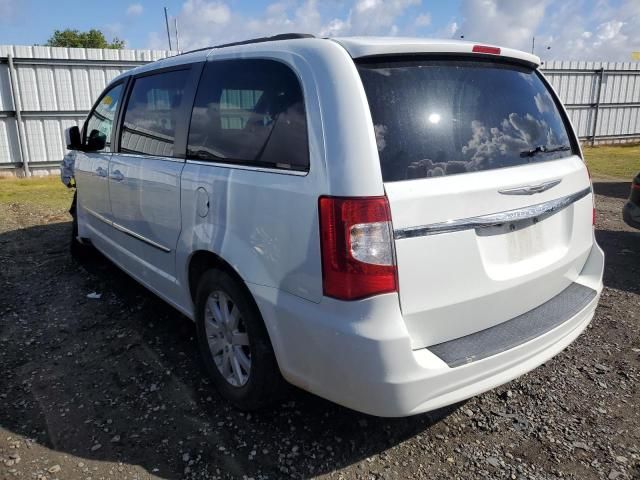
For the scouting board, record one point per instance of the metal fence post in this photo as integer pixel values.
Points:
(13, 79)
(597, 106)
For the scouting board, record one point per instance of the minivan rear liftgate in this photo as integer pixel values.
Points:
(490, 201)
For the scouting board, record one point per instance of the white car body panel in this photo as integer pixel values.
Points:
(145, 201)
(371, 354)
(359, 47)
(314, 345)
(92, 170)
(240, 226)
(395, 380)
(506, 274)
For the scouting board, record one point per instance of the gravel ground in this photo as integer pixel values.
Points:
(113, 387)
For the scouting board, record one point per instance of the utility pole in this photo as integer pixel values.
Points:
(166, 20)
(533, 45)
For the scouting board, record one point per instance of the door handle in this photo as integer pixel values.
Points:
(117, 176)
(101, 172)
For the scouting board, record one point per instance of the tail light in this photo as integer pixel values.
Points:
(356, 239)
(486, 49)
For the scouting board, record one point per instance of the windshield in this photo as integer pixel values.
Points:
(433, 117)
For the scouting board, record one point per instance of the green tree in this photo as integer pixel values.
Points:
(77, 39)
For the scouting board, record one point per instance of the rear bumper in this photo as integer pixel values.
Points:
(358, 354)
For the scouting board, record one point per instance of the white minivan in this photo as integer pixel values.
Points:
(393, 224)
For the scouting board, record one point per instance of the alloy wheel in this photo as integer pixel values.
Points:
(227, 338)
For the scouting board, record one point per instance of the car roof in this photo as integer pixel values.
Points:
(356, 47)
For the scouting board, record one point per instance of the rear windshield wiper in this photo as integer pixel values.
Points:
(544, 149)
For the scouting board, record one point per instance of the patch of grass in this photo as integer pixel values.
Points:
(620, 162)
(41, 191)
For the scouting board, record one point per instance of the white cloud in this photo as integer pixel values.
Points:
(207, 22)
(135, 9)
(608, 31)
(511, 23)
(377, 17)
(423, 20)
(577, 30)
(451, 29)
(7, 10)
(580, 29)
(334, 28)
(216, 13)
(114, 29)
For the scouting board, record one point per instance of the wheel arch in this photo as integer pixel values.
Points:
(203, 260)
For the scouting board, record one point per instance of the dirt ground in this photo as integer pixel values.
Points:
(113, 388)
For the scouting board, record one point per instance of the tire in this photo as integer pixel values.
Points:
(78, 250)
(226, 346)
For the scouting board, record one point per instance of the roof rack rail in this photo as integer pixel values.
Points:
(273, 38)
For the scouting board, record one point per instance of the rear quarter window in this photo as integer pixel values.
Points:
(249, 112)
(444, 117)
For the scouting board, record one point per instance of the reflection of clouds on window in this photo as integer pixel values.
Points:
(201, 113)
(161, 122)
(428, 168)
(380, 131)
(544, 102)
(528, 77)
(385, 72)
(440, 117)
(516, 134)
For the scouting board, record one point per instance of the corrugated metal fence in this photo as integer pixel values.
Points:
(44, 90)
(602, 98)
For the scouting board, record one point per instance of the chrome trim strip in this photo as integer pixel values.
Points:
(539, 211)
(530, 189)
(140, 237)
(147, 156)
(98, 216)
(233, 166)
(125, 230)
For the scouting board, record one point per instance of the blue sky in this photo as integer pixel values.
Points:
(577, 29)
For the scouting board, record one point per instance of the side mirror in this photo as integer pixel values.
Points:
(73, 138)
(96, 141)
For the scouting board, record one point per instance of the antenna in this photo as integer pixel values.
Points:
(166, 20)
(175, 22)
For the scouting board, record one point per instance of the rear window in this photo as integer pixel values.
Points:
(435, 117)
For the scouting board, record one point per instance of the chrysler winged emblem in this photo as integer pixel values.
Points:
(530, 189)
